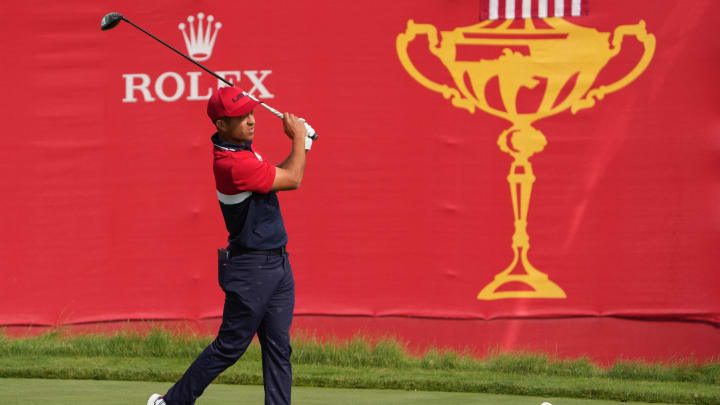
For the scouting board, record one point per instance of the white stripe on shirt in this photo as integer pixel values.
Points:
(233, 199)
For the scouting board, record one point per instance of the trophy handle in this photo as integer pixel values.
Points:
(431, 32)
(648, 41)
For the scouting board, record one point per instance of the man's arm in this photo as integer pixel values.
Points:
(289, 173)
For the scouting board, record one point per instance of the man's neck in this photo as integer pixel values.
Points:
(226, 138)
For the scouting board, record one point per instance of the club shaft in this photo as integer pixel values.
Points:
(272, 110)
(178, 52)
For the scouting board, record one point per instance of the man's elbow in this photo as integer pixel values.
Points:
(295, 184)
(287, 181)
(295, 179)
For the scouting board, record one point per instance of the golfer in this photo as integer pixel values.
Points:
(254, 271)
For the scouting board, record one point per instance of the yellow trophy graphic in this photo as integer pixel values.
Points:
(567, 59)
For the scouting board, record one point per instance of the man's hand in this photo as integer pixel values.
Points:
(294, 127)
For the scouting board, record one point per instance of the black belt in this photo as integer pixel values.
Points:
(234, 251)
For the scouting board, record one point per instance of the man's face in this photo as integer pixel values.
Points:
(238, 129)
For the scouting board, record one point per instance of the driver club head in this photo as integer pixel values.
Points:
(110, 20)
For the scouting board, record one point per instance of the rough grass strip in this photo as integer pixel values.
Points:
(361, 363)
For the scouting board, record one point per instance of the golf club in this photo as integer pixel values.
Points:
(110, 20)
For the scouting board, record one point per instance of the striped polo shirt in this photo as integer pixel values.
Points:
(251, 211)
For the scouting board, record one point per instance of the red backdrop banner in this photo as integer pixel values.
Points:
(469, 170)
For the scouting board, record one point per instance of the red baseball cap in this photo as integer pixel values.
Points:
(229, 102)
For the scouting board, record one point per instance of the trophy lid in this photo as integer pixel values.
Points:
(519, 29)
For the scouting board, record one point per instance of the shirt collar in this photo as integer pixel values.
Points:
(219, 143)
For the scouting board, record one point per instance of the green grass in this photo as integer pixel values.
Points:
(85, 392)
(358, 363)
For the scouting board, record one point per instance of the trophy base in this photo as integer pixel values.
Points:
(541, 286)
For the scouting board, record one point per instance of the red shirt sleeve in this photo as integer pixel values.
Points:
(251, 174)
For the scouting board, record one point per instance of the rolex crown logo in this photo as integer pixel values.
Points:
(199, 42)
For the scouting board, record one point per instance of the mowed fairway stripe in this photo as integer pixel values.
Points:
(21, 391)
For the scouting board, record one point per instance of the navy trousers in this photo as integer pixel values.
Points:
(259, 298)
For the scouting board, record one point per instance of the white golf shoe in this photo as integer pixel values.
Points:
(156, 399)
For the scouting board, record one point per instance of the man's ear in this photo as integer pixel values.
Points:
(220, 124)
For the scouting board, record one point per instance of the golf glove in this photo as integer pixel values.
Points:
(310, 132)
